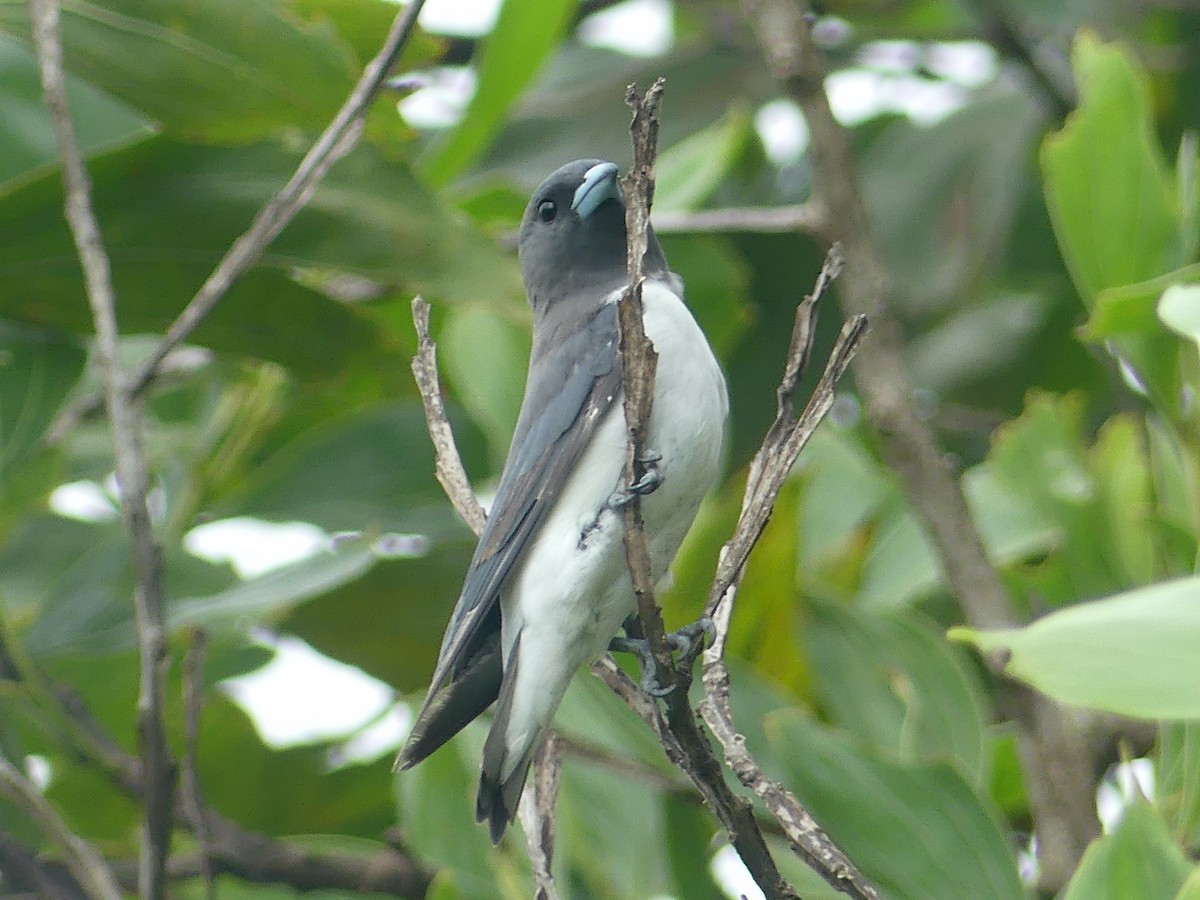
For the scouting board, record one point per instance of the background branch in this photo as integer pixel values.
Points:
(1051, 748)
(86, 866)
(338, 139)
(157, 765)
(804, 217)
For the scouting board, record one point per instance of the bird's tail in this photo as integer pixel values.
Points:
(504, 769)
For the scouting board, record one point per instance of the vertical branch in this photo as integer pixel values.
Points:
(86, 866)
(193, 702)
(157, 766)
(536, 811)
(639, 363)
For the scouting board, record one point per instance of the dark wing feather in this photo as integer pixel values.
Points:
(558, 418)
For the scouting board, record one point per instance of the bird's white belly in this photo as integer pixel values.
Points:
(573, 589)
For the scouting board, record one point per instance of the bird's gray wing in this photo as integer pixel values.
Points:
(571, 385)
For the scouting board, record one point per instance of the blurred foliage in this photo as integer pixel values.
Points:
(1048, 279)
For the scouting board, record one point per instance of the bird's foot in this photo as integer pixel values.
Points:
(640, 648)
(650, 481)
(683, 638)
(682, 642)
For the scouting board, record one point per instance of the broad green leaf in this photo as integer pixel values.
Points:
(27, 140)
(221, 70)
(716, 284)
(1132, 654)
(902, 565)
(289, 791)
(484, 356)
(1124, 488)
(917, 831)
(1106, 183)
(436, 802)
(1132, 308)
(1043, 456)
(687, 832)
(1138, 859)
(942, 197)
(611, 831)
(1191, 887)
(371, 470)
(689, 171)
(405, 604)
(894, 682)
(525, 33)
(1177, 779)
(764, 631)
(272, 594)
(37, 369)
(1179, 310)
(168, 211)
(68, 585)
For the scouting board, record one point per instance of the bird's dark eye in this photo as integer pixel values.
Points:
(547, 210)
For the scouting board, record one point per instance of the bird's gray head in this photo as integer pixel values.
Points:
(572, 238)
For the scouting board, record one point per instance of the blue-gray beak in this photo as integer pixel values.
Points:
(599, 184)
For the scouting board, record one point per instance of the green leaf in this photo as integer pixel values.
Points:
(1132, 654)
(222, 70)
(168, 212)
(892, 680)
(484, 356)
(915, 830)
(901, 564)
(437, 812)
(1179, 310)
(1191, 887)
(1106, 184)
(390, 621)
(1138, 859)
(37, 369)
(1177, 779)
(273, 593)
(525, 33)
(289, 791)
(371, 470)
(688, 831)
(1132, 308)
(26, 135)
(690, 170)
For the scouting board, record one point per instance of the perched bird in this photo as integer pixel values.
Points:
(548, 586)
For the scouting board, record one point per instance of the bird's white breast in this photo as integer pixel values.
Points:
(572, 591)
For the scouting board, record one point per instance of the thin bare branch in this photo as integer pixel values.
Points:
(158, 767)
(338, 139)
(769, 471)
(536, 811)
(802, 217)
(639, 363)
(193, 703)
(450, 472)
(84, 863)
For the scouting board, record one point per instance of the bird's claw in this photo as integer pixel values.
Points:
(650, 481)
(682, 639)
(641, 649)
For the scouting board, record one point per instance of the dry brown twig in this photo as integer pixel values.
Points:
(683, 741)
(536, 811)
